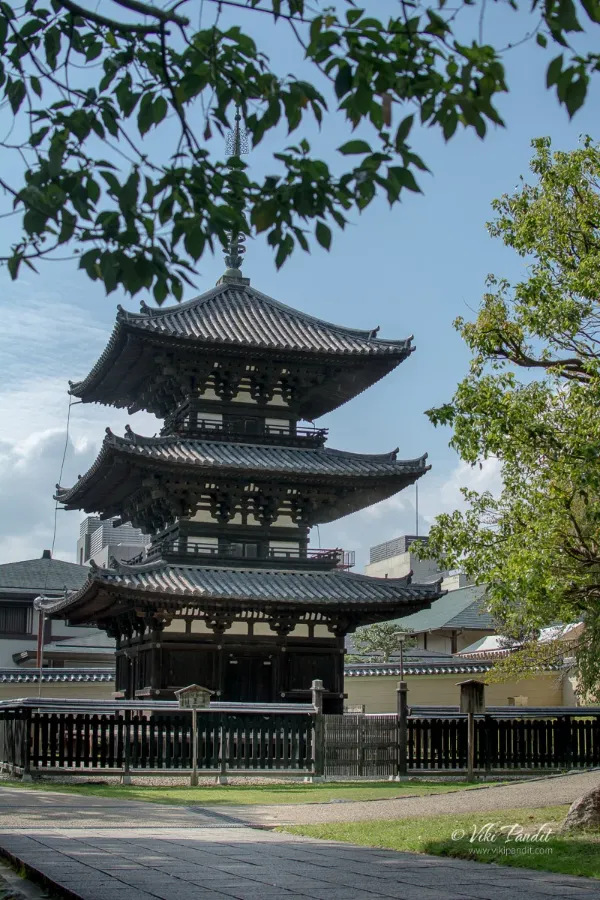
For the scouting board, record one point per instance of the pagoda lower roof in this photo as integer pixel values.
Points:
(110, 591)
(199, 460)
(228, 318)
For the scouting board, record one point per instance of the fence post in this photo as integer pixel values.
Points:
(194, 775)
(126, 776)
(569, 741)
(222, 776)
(26, 745)
(487, 743)
(318, 733)
(402, 710)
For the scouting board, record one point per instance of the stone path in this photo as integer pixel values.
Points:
(552, 791)
(98, 849)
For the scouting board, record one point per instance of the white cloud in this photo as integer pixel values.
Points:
(44, 342)
(396, 516)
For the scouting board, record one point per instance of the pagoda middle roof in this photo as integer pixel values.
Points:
(236, 459)
(233, 316)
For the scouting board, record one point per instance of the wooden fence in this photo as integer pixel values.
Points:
(39, 741)
(60, 736)
(369, 745)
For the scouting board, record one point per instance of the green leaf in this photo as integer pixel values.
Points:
(403, 178)
(194, 242)
(35, 84)
(14, 263)
(592, 8)
(554, 71)
(323, 235)
(16, 94)
(542, 40)
(52, 46)
(343, 80)
(354, 147)
(159, 110)
(93, 51)
(38, 136)
(575, 95)
(403, 131)
(145, 117)
(160, 291)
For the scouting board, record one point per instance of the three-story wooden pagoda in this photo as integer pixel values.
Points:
(229, 595)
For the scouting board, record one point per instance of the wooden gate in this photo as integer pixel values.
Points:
(361, 745)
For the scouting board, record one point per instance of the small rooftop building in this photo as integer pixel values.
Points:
(395, 559)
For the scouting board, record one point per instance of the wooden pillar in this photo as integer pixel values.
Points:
(220, 667)
(156, 659)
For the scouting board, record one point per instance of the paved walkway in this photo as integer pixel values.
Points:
(98, 849)
(552, 791)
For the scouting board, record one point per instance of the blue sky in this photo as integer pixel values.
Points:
(410, 270)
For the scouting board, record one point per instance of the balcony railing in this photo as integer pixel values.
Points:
(242, 428)
(342, 559)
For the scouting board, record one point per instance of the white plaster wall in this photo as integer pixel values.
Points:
(8, 646)
(283, 424)
(400, 565)
(394, 567)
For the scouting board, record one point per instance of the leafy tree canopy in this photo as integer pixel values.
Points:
(87, 83)
(382, 639)
(531, 400)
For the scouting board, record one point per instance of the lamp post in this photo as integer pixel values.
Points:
(402, 638)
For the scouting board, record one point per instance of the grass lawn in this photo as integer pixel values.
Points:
(245, 794)
(569, 855)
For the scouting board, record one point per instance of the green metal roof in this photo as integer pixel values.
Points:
(34, 576)
(460, 609)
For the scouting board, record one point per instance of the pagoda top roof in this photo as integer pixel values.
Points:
(202, 585)
(235, 315)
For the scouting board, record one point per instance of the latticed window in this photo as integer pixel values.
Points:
(16, 619)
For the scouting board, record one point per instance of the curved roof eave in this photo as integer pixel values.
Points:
(142, 325)
(179, 454)
(160, 579)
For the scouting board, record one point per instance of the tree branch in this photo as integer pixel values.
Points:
(77, 10)
(163, 15)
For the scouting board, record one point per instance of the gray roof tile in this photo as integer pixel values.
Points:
(56, 676)
(38, 575)
(463, 608)
(218, 455)
(207, 583)
(237, 313)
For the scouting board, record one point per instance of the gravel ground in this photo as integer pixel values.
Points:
(552, 791)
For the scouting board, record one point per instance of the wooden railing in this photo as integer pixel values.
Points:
(244, 427)
(179, 547)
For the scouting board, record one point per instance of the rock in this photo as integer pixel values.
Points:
(584, 814)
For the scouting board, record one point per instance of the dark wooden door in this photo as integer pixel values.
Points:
(248, 679)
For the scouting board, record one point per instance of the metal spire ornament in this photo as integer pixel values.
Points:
(237, 145)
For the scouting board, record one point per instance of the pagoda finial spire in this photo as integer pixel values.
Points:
(237, 146)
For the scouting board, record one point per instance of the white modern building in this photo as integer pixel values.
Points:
(99, 540)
